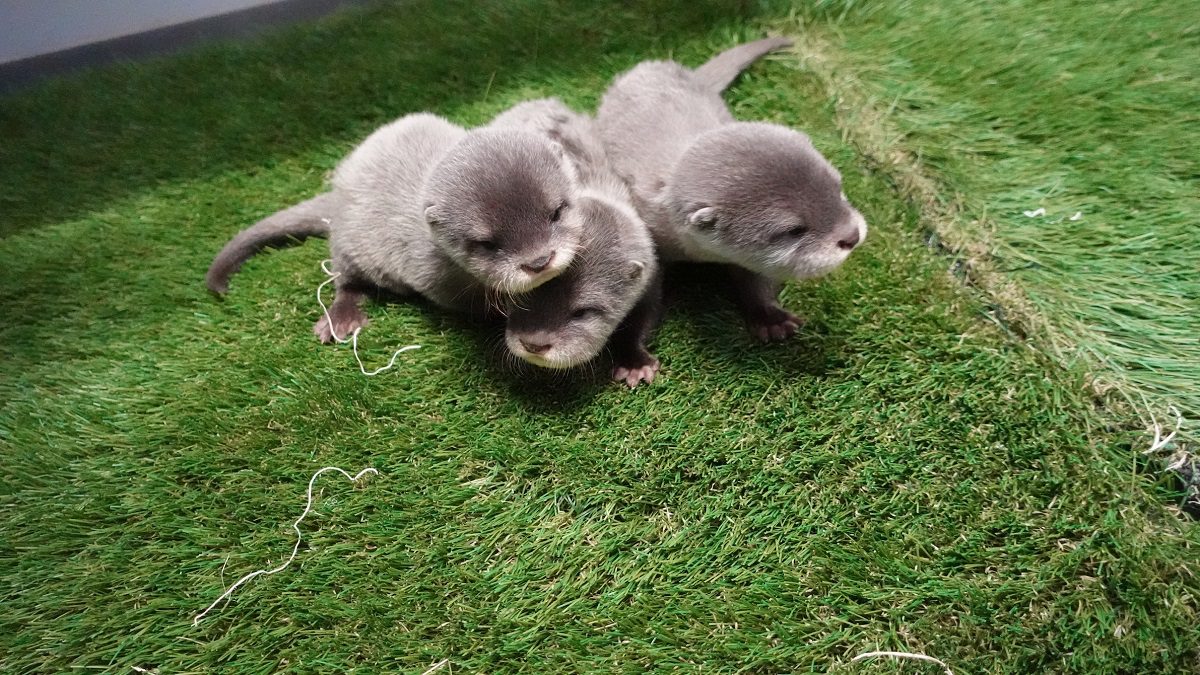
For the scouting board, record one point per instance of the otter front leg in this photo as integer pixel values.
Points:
(757, 296)
(345, 314)
(632, 361)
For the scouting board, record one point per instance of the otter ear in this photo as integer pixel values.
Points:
(561, 147)
(703, 218)
(432, 217)
(636, 269)
(567, 162)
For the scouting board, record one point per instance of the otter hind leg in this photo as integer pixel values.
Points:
(345, 315)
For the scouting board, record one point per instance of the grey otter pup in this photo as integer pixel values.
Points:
(611, 293)
(609, 296)
(757, 196)
(499, 204)
(406, 214)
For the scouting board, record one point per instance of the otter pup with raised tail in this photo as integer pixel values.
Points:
(712, 189)
(611, 293)
(424, 206)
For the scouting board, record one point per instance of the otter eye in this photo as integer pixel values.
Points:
(485, 244)
(584, 312)
(797, 231)
(554, 217)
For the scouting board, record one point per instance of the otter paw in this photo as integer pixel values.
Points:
(634, 371)
(342, 327)
(775, 324)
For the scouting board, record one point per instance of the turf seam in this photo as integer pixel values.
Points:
(864, 125)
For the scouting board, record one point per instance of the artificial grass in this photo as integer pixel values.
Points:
(902, 475)
(1085, 108)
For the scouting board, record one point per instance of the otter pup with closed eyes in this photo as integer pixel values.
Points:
(610, 295)
(424, 206)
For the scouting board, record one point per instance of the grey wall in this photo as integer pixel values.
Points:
(35, 27)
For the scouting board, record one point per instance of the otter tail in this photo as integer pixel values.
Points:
(722, 69)
(307, 219)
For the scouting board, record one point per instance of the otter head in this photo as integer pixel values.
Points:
(501, 205)
(761, 196)
(567, 321)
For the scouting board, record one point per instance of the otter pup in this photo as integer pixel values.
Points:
(754, 195)
(610, 295)
(611, 292)
(424, 206)
(500, 205)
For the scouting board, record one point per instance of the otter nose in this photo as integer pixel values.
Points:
(849, 241)
(534, 348)
(535, 266)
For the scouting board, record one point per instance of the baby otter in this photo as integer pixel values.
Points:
(424, 206)
(610, 294)
(499, 204)
(757, 196)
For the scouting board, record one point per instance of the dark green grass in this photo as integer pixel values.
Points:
(899, 476)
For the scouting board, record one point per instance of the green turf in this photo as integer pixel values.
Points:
(1087, 108)
(902, 475)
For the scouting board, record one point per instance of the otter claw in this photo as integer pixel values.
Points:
(634, 376)
(776, 332)
(783, 326)
(344, 328)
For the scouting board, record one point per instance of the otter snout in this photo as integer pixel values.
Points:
(534, 347)
(852, 233)
(849, 241)
(523, 277)
(553, 349)
(539, 265)
(816, 257)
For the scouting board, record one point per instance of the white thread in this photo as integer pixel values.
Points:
(1181, 456)
(1077, 216)
(1035, 214)
(353, 339)
(295, 549)
(1160, 441)
(436, 667)
(902, 655)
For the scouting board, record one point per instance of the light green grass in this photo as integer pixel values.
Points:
(1075, 107)
(902, 475)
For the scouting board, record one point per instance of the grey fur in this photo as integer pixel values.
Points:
(577, 312)
(720, 71)
(610, 291)
(380, 236)
(755, 195)
(499, 204)
(377, 211)
(309, 218)
(576, 134)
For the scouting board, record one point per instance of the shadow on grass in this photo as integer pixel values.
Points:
(538, 390)
(700, 302)
(79, 143)
(700, 297)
